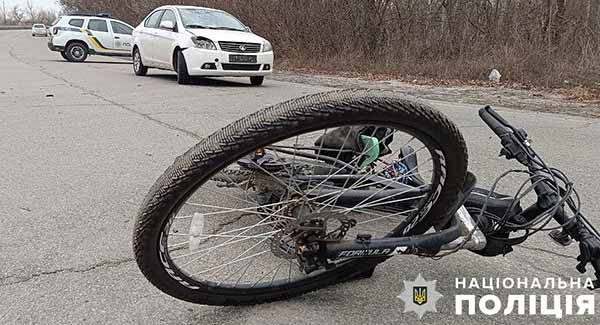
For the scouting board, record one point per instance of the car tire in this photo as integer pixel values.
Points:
(183, 78)
(64, 55)
(76, 52)
(257, 81)
(138, 66)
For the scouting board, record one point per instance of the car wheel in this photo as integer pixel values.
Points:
(64, 56)
(76, 52)
(138, 66)
(183, 78)
(257, 81)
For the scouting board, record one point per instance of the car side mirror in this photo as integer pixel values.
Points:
(248, 29)
(167, 24)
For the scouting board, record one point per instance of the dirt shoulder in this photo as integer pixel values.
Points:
(543, 100)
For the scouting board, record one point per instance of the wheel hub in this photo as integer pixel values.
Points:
(300, 239)
(136, 61)
(77, 52)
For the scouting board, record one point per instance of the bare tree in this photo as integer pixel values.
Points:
(560, 20)
(30, 10)
(46, 16)
(594, 14)
(3, 12)
(16, 14)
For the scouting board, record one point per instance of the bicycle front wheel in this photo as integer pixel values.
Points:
(221, 225)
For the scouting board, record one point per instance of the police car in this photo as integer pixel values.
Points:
(78, 36)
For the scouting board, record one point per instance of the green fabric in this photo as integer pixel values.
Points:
(371, 145)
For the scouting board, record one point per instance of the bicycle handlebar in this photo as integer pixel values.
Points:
(496, 123)
(514, 141)
(516, 145)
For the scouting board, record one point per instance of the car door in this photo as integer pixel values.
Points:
(122, 35)
(164, 40)
(99, 35)
(147, 37)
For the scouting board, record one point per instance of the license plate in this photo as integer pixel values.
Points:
(242, 58)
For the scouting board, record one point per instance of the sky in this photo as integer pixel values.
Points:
(47, 4)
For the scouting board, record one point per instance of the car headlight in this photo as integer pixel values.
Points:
(203, 43)
(267, 47)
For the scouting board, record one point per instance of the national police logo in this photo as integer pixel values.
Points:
(420, 296)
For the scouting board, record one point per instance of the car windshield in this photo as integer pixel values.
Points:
(211, 19)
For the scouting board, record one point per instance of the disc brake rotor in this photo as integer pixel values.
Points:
(324, 226)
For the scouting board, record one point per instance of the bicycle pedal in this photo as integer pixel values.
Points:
(560, 237)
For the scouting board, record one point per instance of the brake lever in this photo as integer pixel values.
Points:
(512, 150)
(589, 247)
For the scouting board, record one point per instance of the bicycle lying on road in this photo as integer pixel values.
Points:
(321, 189)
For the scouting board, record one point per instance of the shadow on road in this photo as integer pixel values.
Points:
(90, 62)
(200, 81)
(309, 301)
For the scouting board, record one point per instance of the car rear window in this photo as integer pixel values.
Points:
(77, 22)
(153, 20)
(98, 25)
(38, 26)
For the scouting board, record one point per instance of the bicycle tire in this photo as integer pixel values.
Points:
(225, 146)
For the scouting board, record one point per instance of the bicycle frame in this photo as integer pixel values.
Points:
(462, 232)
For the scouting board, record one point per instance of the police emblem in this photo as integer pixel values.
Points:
(420, 296)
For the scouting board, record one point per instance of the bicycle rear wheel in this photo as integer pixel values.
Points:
(219, 226)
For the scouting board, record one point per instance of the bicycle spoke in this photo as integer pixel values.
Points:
(246, 240)
(359, 183)
(229, 241)
(224, 210)
(231, 262)
(210, 249)
(389, 216)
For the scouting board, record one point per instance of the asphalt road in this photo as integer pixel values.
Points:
(80, 144)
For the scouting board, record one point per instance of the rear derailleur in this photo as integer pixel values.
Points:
(303, 239)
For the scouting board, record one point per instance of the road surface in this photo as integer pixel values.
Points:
(80, 145)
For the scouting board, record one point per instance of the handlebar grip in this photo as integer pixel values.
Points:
(490, 117)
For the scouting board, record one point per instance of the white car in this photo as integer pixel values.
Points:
(39, 30)
(196, 41)
(76, 37)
